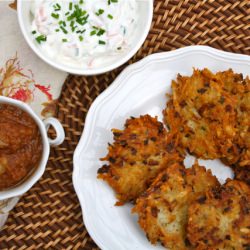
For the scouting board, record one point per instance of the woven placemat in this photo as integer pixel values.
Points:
(49, 215)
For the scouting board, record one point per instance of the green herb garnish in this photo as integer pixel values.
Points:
(110, 16)
(41, 38)
(99, 12)
(57, 7)
(74, 18)
(63, 30)
(101, 32)
(101, 42)
(112, 1)
(56, 16)
(93, 32)
(70, 6)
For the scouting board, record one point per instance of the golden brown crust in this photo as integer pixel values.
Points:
(203, 114)
(239, 88)
(222, 219)
(162, 209)
(242, 173)
(138, 154)
(211, 115)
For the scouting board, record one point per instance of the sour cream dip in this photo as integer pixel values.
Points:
(83, 33)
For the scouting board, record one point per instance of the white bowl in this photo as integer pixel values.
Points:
(9, 197)
(144, 22)
(43, 126)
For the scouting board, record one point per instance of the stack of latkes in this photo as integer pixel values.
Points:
(208, 116)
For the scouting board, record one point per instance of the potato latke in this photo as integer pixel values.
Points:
(239, 88)
(138, 154)
(162, 209)
(222, 219)
(210, 113)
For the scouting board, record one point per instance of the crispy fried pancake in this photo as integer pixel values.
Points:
(243, 140)
(202, 112)
(162, 209)
(239, 87)
(138, 154)
(222, 219)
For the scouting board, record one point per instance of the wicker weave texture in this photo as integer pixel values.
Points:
(49, 215)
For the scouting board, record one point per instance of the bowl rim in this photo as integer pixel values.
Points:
(24, 186)
(86, 72)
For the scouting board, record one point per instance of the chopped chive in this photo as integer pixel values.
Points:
(73, 28)
(119, 48)
(62, 23)
(41, 38)
(57, 7)
(33, 32)
(84, 12)
(83, 23)
(75, 16)
(101, 42)
(64, 40)
(69, 18)
(112, 1)
(79, 21)
(80, 31)
(56, 16)
(93, 32)
(70, 6)
(99, 12)
(110, 16)
(64, 30)
(101, 32)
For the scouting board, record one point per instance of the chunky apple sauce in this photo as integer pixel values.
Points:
(20, 145)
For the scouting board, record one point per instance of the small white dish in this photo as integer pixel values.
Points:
(43, 126)
(138, 90)
(145, 13)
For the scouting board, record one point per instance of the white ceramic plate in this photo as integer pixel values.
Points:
(138, 90)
